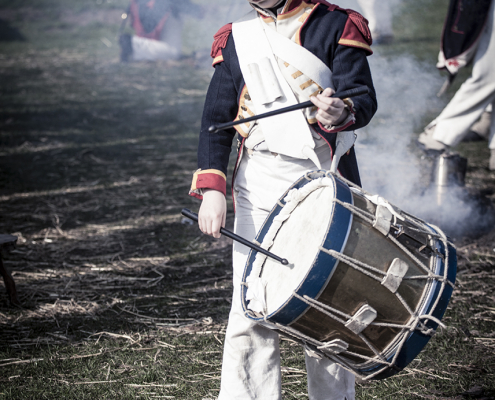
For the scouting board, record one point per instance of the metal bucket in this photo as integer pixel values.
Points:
(449, 171)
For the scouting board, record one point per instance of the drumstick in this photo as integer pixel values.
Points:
(189, 214)
(341, 95)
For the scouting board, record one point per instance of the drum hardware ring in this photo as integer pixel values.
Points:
(399, 230)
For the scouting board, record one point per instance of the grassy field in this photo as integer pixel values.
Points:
(121, 297)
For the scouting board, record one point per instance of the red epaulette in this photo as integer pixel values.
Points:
(356, 31)
(361, 24)
(220, 42)
(356, 28)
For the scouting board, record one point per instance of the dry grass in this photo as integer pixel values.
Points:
(121, 297)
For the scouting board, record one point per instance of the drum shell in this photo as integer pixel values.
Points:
(366, 244)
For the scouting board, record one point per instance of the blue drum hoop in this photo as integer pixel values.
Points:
(409, 343)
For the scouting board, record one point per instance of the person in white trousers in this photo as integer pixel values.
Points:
(469, 102)
(251, 362)
(255, 357)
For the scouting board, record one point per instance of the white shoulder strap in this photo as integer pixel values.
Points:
(289, 133)
(300, 58)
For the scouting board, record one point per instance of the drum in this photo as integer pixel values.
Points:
(367, 284)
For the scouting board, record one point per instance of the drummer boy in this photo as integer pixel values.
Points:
(284, 52)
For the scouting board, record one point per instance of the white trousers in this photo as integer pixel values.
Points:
(169, 47)
(473, 96)
(379, 15)
(251, 359)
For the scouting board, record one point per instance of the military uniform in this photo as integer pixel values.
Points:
(341, 40)
(471, 100)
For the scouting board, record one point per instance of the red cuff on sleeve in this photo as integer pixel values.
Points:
(208, 179)
(337, 129)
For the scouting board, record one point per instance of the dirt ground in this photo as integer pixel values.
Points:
(96, 159)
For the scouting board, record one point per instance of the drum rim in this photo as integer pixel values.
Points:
(435, 298)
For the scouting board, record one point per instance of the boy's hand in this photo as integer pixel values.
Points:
(212, 212)
(331, 111)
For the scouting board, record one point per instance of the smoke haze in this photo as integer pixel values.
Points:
(392, 166)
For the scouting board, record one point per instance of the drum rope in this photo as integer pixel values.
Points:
(411, 255)
(297, 334)
(349, 261)
(367, 358)
(444, 280)
(417, 220)
(412, 327)
(323, 308)
(379, 357)
(352, 263)
(327, 310)
(430, 277)
(424, 231)
(321, 346)
(399, 347)
(356, 264)
(406, 306)
(367, 217)
(414, 324)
